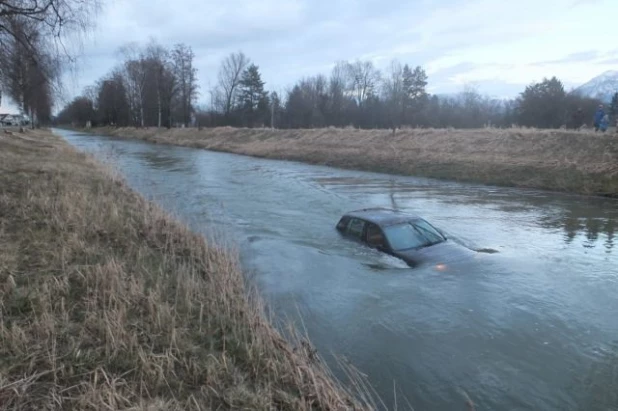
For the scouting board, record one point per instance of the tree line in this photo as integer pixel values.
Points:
(156, 86)
(152, 86)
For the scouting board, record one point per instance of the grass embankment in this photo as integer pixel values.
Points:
(106, 303)
(570, 161)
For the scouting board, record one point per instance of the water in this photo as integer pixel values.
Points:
(534, 326)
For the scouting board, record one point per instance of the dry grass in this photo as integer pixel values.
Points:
(560, 160)
(106, 303)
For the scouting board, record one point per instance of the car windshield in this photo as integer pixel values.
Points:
(412, 234)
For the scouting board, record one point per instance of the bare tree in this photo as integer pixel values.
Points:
(52, 19)
(27, 71)
(150, 86)
(394, 93)
(159, 83)
(56, 16)
(90, 93)
(217, 99)
(363, 79)
(31, 46)
(308, 102)
(186, 79)
(337, 93)
(112, 100)
(230, 74)
(160, 65)
(135, 71)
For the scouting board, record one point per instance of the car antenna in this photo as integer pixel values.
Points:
(392, 195)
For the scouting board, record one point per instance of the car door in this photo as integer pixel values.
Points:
(374, 237)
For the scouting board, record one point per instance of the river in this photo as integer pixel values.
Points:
(532, 326)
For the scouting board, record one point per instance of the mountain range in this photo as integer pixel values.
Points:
(603, 86)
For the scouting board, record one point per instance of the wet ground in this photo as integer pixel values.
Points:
(533, 326)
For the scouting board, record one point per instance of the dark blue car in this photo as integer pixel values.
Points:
(402, 235)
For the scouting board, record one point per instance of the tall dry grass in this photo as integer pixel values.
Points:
(561, 160)
(107, 303)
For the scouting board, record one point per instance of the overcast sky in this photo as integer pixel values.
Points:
(498, 45)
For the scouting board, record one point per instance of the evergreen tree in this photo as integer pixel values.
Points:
(253, 100)
(415, 94)
(543, 104)
(613, 106)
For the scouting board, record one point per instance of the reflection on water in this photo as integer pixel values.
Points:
(532, 326)
(165, 162)
(595, 229)
(591, 221)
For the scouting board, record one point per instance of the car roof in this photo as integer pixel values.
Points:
(382, 217)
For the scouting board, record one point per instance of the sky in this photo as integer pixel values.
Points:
(496, 46)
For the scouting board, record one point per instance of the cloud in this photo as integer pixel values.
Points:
(442, 79)
(589, 55)
(500, 45)
(577, 3)
(609, 61)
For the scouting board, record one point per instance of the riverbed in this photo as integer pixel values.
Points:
(532, 325)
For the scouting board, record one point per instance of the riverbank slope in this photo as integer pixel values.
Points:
(560, 160)
(107, 303)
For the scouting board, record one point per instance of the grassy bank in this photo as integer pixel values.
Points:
(106, 303)
(570, 161)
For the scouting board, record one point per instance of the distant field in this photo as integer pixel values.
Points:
(569, 161)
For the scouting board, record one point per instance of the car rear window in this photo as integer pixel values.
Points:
(343, 223)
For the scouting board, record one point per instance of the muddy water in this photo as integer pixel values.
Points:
(533, 326)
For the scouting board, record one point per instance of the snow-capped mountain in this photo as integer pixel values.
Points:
(603, 86)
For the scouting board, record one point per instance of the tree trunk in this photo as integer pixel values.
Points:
(159, 104)
(159, 107)
(31, 118)
(272, 115)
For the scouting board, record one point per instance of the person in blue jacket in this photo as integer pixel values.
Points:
(604, 123)
(598, 117)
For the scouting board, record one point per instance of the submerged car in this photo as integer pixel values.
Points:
(402, 235)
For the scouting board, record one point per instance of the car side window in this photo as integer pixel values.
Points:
(343, 223)
(356, 227)
(375, 236)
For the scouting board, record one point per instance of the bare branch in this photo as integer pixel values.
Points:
(229, 77)
(33, 52)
